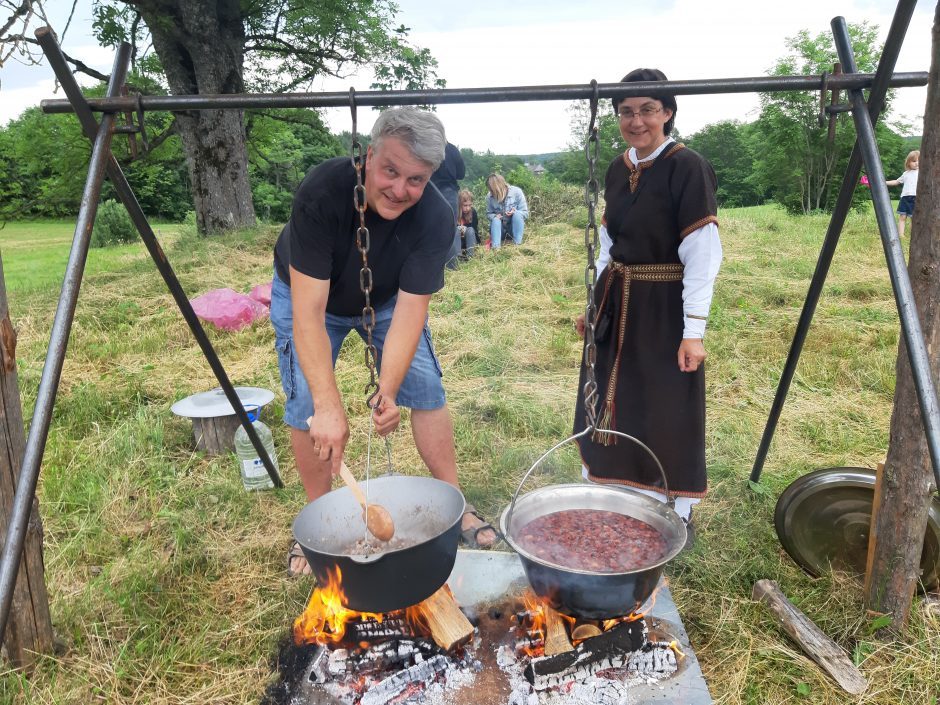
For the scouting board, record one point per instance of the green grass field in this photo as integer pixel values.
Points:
(35, 253)
(167, 580)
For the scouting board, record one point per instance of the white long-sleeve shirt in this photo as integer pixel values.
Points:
(700, 253)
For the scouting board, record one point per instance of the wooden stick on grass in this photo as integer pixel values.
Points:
(819, 647)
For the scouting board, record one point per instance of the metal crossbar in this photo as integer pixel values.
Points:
(102, 161)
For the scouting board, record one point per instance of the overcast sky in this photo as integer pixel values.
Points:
(543, 42)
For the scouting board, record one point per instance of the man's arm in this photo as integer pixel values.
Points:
(329, 429)
(408, 319)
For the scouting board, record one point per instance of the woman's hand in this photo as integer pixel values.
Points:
(387, 415)
(579, 325)
(691, 354)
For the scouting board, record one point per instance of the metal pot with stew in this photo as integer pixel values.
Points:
(593, 551)
(387, 576)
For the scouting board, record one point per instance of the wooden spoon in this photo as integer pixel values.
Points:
(378, 520)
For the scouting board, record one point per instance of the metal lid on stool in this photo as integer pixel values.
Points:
(214, 403)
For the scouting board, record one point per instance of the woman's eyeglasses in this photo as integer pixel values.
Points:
(646, 111)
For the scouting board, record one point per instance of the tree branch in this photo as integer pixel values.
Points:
(24, 9)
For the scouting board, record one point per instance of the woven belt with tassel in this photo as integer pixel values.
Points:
(629, 273)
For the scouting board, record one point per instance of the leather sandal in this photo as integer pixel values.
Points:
(468, 537)
(293, 553)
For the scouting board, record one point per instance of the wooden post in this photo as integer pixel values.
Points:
(908, 484)
(873, 529)
(811, 639)
(29, 628)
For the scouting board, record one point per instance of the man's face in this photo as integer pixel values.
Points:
(395, 178)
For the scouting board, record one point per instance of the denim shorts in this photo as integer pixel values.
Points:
(906, 205)
(421, 389)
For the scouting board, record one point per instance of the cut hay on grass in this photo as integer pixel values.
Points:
(167, 579)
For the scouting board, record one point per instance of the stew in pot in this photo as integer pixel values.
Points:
(592, 539)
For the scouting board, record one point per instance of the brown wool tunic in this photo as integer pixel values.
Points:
(648, 211)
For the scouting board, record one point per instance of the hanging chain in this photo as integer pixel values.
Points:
(365, 285)
(362, 244)
(592, 245)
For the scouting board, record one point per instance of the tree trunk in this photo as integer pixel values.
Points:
(201, 46)
(29, 627)
(908, 480)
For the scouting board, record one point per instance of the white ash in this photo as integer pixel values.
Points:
(391, 687)
(609, 686)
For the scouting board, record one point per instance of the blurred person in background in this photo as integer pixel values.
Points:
(506, 209)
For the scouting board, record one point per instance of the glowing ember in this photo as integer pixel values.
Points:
(326, 616)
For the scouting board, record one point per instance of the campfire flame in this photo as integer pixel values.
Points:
(326, 616)
(536, 622)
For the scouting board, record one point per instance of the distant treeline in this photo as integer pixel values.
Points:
(44, 159)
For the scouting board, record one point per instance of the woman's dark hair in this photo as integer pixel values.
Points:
(667, 99)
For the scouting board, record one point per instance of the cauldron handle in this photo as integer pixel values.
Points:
(670, 500)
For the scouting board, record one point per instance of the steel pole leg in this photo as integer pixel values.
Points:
(126, 194)
(899, 25)
(58, 342)
(894, 255)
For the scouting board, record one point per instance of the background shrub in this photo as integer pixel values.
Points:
(113, 226)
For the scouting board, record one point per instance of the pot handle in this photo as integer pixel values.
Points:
(670, 500)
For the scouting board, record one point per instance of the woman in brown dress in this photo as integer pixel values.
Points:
(660, 256)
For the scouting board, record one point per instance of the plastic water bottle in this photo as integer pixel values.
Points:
(254, 474)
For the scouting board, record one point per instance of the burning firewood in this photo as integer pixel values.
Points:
(611, 649)
(556, 633)
(449, 626)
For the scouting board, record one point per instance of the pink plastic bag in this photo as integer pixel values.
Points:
(864, 180)
(262, 293)
(228, 309)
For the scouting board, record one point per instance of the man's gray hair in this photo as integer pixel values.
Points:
(420, 130)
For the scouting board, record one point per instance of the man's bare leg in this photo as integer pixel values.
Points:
(317, 478)
(433, 432)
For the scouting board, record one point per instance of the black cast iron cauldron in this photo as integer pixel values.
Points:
(427, 514)
(584, 593)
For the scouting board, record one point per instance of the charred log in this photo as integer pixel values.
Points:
(612, 649)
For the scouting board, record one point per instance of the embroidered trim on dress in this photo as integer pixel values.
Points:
(675, 148)
(636, 170)
(698, 224)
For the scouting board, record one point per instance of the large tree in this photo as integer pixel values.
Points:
(233, 46)
(228, 46)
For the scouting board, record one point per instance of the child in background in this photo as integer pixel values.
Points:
(908, 181)
(467, 223)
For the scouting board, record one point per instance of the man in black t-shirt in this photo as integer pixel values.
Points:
(317, 274)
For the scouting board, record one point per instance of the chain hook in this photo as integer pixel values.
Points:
(592, 245)
(365, 274)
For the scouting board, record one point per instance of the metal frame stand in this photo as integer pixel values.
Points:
(866, 149)
(103, 162)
